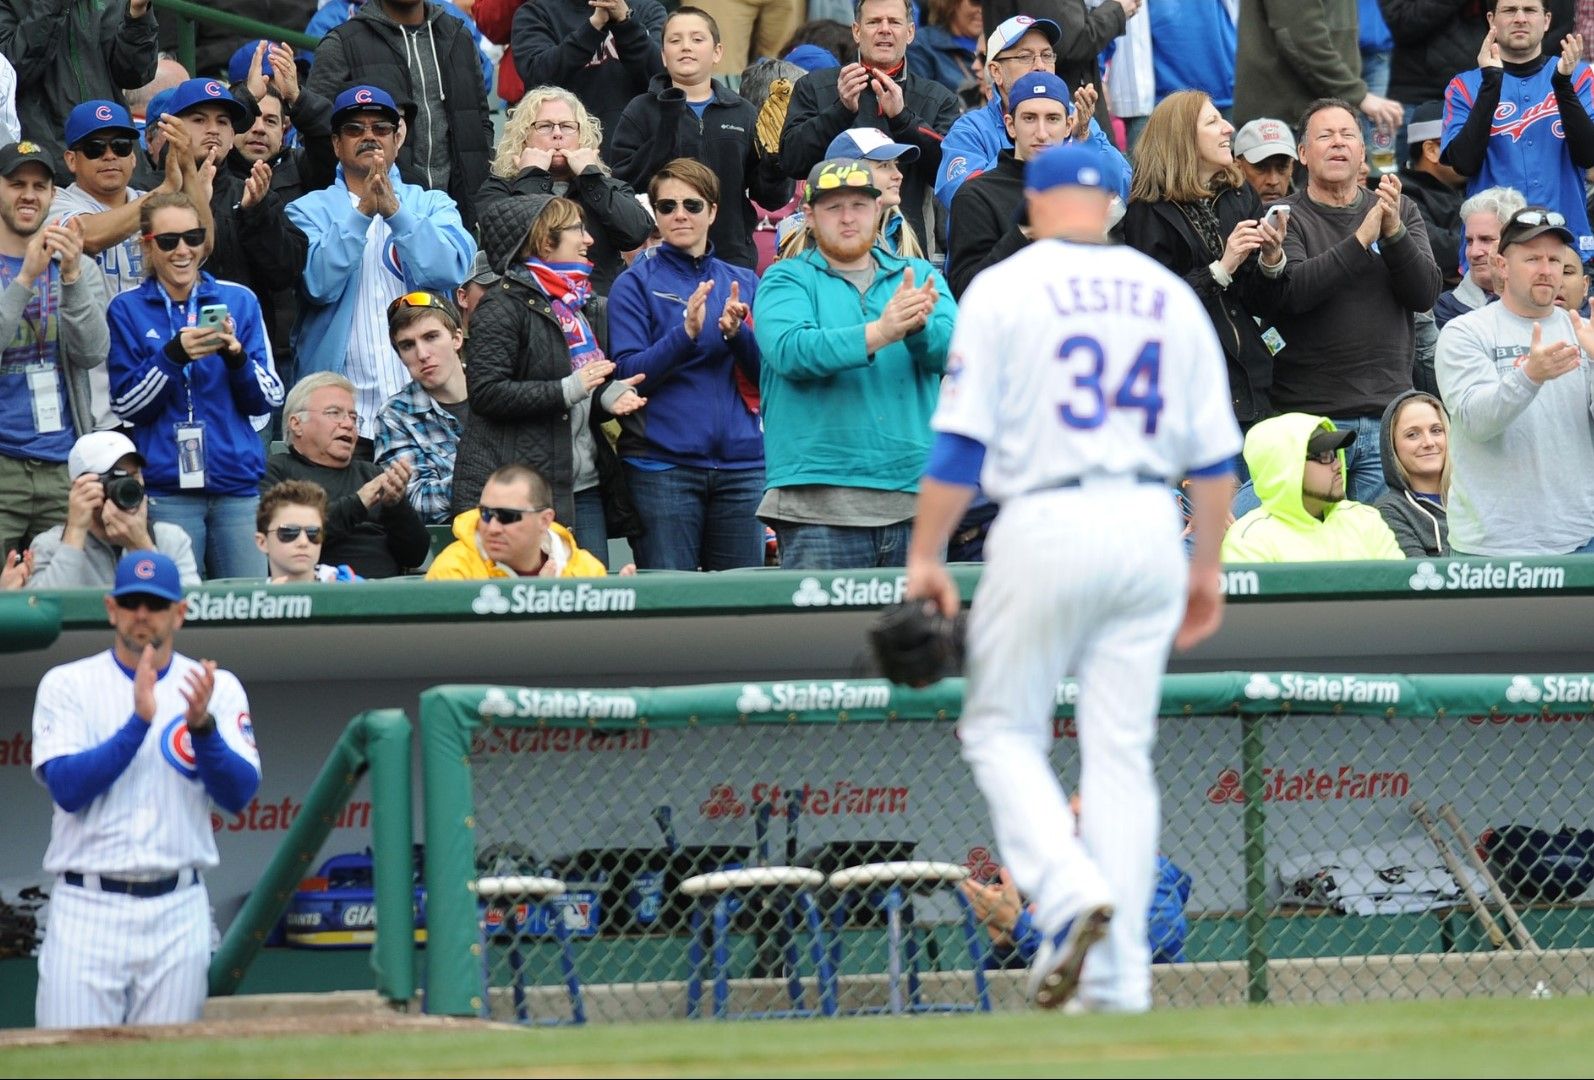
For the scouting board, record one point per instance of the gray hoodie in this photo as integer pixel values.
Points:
(1419, 524)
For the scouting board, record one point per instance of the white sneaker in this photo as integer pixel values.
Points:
(1054, 973)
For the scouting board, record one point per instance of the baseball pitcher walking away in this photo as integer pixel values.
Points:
(1083, 381)
(134, 743)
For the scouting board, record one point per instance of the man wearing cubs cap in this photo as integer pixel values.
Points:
(373, 238)
(52, 334)
(1086, 30)
(107, 514)
(846, 403)
(134, 744)
(1020, 46)
(985, 226)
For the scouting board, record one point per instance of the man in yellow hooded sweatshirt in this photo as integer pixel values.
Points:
(512, 533)
(1297, 465)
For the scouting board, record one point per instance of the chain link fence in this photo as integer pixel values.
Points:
(1325, 838)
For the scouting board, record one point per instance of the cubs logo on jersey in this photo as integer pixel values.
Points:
(246, 729)
(177, 747)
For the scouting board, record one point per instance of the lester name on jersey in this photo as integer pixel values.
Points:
(1527, 148)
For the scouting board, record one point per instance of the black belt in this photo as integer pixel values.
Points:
(144, 889)
(1139, 478)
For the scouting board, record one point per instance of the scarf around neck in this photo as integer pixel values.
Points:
(569, 287)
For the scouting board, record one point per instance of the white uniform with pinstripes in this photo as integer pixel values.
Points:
(371, 365)
(109, 958)
(1080, 362)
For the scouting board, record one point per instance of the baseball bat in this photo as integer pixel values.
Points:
(1501, 900)
(1419, 810)
(761, 831)
(793, 812)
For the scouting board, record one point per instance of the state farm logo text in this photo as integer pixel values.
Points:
(1334, 783)
(838, 798)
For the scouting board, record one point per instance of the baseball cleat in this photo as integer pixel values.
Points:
(1054, 976)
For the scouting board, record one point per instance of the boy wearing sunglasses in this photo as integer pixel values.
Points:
(289, 528)
(1297, 465)
(512, 533)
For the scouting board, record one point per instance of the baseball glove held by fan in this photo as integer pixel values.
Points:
(772, 117)
(915, 645)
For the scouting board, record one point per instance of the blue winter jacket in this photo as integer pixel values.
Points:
(976, 139)
(154, 393)
(695, 414)
(429, 244)
(1192, 48)
(338, 12)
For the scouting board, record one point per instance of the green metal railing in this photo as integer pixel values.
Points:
(189, 14)
(377, 742)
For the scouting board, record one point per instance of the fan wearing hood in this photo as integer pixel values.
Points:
(1297, 464)
(1415, 440)
(540, 381)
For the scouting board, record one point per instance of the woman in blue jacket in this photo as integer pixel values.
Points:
(694, 458)
(189, 378)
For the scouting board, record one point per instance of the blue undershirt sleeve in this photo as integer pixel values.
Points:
(1221, 467)
(229, 779)
(955, 459)
(76, 780)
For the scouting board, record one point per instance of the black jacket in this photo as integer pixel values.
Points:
(1086, 32)
(378, 542)
(614, 217)
(1436, 40)
(370, 49)
(554, 44)
(816, 116)
(516, 361)
(1440, 207)
(67, 52)
(658, 126)
(258, 248)
(1161, 230)
(985, 221)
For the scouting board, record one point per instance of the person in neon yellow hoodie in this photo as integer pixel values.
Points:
(512, 533)
(1297, 464)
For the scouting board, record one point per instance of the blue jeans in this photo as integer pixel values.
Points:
(1586, 549)
(842, 547)
(698, 518)
(221, 528)
(590, 528)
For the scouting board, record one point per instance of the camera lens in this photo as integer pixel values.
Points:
(123, 490)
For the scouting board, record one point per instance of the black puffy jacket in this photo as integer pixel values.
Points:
(1161, 230)
(370, 49)
(516, 361)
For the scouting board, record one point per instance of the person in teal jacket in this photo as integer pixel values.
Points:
(854, 341)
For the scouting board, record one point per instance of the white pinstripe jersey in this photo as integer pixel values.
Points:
(155, 818)
(1074, 360)
(371, 364)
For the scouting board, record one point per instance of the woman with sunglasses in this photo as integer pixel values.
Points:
(1191, 210)
(550, 147)
(189, 365)
(289, 527)
(694, 458)
(540, 382)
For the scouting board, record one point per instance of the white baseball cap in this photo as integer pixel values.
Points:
(98, 452)
(1002, 38)
(1262, 138)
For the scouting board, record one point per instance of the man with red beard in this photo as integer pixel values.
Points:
(847, 404)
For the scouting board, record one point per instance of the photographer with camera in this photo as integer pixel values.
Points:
(107, 515)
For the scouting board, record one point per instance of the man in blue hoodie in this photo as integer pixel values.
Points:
(373, 238)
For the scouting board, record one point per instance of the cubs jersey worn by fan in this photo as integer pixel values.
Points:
(155, 819)
(1527, 148)
(1117, 341)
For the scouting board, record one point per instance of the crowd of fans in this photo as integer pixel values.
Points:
(696, 289)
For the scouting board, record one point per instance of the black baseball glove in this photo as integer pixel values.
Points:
(915, 645)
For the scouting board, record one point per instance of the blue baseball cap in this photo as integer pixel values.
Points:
(1071, 164)
(92, 116)
(1039, 84)
(187, 95)
(238, 66)
(364, 99)
(871, 144)
(157, 107)
(812, 58)
(148, 573)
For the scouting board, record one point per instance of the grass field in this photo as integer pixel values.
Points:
(1519, 1037)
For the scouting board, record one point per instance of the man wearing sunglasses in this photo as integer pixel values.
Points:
(289, 530)
(512, 533)
(373, 238)
(1297, 465)
(102, 150)
(107, 515)
(135, 743)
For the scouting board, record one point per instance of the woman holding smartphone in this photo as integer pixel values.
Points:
(189, 368)
(1191, 210)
